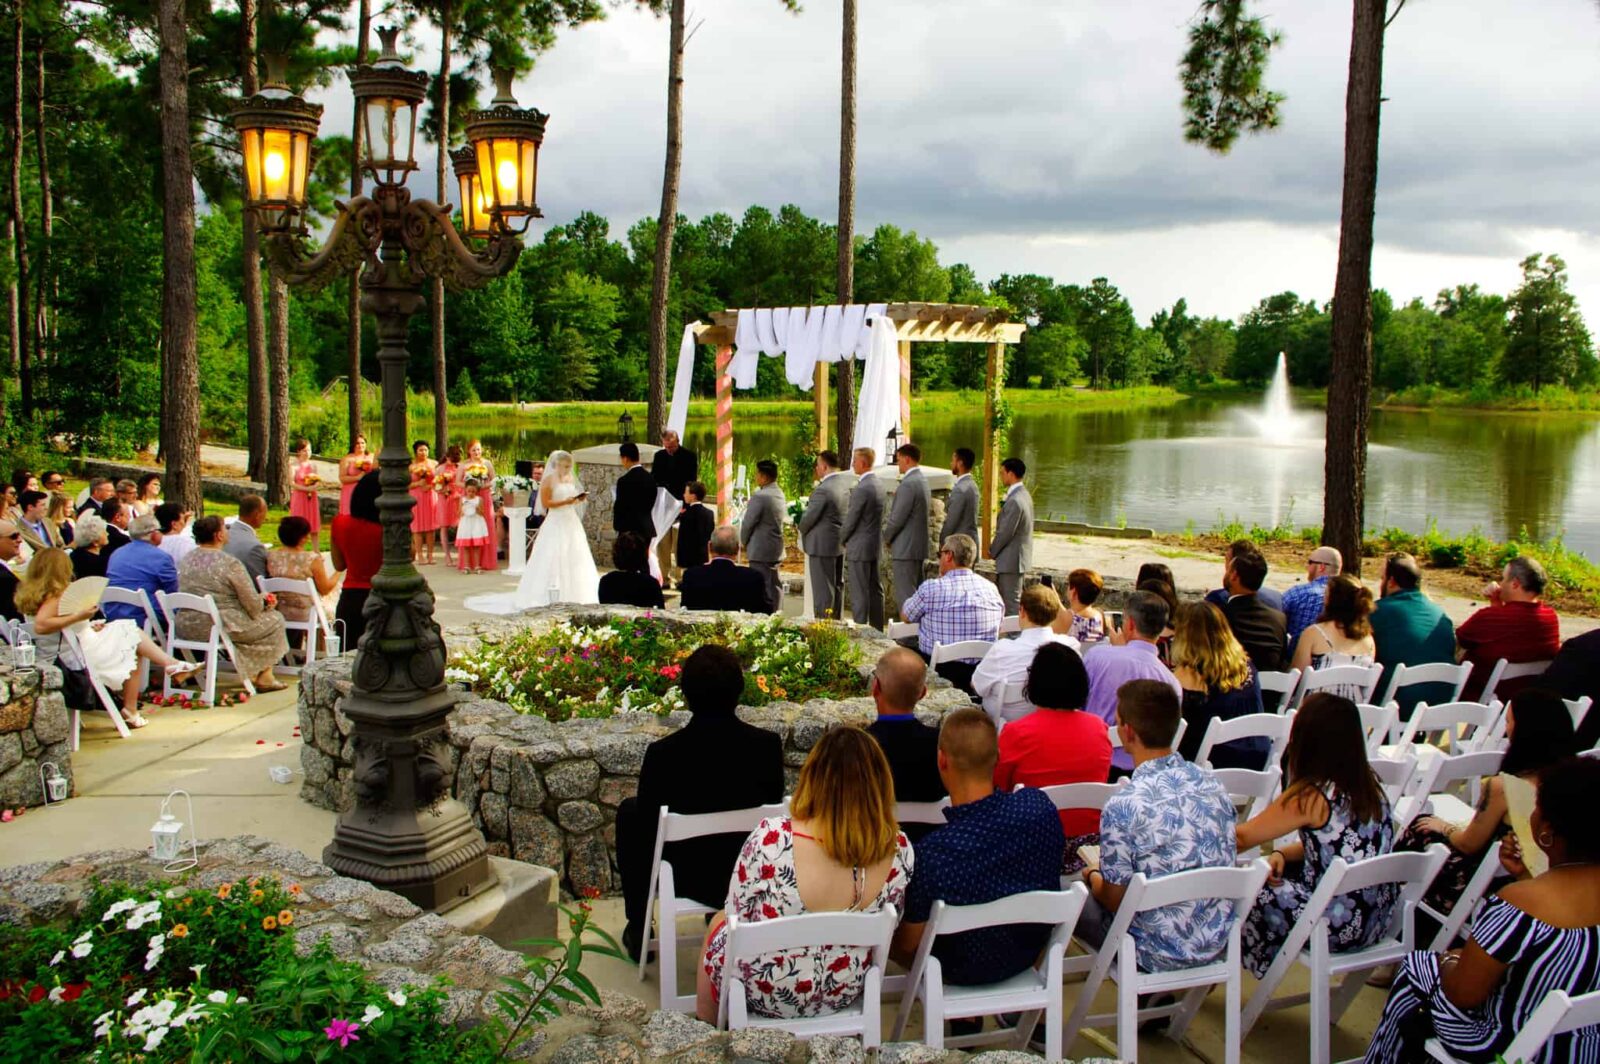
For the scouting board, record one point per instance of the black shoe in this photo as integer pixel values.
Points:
(632, 940)
(965, 1026)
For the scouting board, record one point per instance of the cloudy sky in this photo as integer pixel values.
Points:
(1046, 136)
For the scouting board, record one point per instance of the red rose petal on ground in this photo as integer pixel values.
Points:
(280, 744)
(261, 742)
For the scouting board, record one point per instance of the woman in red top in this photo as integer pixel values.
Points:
(1059, 743)
(358, 553)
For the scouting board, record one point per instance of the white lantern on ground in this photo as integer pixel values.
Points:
(22, 654)
(166, 836)
(53, 783)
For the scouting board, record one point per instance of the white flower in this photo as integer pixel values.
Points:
(82, 949)
(197, 969)
(60, 953)
(154, 1038)
(218, 997)
(85, 936)
(193, 1012)
(102, 1024)
(148, 913)
(56, 994)
(398, 997)
(117, 909)
(136, 997)
(372, 1013)
(153, 957)
(158, 941)
(162, 1010)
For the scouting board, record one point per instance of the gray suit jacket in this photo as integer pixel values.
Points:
(961, 510)
(907, 529)
(1012, 545)
(863, 523)
(761, 531)
(824, 517)
(244, 544)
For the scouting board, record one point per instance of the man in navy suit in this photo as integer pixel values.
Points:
(722, 583)
(636, 496)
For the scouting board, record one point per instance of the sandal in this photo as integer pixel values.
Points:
(135, 721)
(263, 688)
(181, 671)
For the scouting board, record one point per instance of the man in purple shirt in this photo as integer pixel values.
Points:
(1144, 618)
(141, 564)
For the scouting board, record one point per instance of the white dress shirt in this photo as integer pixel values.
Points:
(1008, 662)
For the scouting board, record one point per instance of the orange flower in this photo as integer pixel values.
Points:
(179, 931)
(256, 882)
(225, 890)
(295, 889)
(256, 895)
(285, 918)
(269, 923)
(208, 911)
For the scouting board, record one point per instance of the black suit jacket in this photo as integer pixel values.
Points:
(749, 772)
(631, 589)
(695, 526)
(1574, 673)
(636, 497)
(8, 594)
(674, 471)
(723, 585)
(1262, 631)
(116, 539)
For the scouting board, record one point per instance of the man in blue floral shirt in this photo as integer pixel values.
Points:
(1171, 817)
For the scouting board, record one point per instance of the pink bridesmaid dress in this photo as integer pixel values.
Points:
(449, 497)
(425, 515)
(307, 504)
(486, 508)
(346, 489)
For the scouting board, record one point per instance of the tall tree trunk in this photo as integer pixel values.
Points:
(43, 303)
(846, 390)
(180, 408)
(441, 385)
(256, 399)
(353, 296)
(666, 228)
(19, 222)
(277, 477)
(1350, 375)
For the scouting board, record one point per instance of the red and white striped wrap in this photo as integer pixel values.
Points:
(724, 435)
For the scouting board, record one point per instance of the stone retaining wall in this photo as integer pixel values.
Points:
(34, 728)
(547, 793)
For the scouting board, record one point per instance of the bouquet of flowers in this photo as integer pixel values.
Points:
(311, 479)
(442, 481)
(365, 463)
(476, 471)
(512, 483)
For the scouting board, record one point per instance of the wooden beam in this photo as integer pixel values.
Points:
(993, 381)
(819, 400)
(905, 391)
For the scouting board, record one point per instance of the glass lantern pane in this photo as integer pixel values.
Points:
(301, 166)
(277, 157)
(405, 126)
(250, 141)
(486, 166)
(529, 172)
(380, 134)
(507, 174)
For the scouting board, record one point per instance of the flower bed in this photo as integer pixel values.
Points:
(595, 669)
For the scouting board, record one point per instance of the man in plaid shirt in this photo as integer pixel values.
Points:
(959, 606)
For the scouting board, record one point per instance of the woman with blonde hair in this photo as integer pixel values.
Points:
(111, 649)
(838, 850)
(1218, 683)
(60, 511)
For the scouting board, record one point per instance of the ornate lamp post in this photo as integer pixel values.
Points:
(404, 832)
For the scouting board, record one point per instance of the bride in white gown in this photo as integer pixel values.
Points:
(561, 567)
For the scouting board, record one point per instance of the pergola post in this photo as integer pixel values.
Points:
(819, 397)
(905, 393)
(993, 380)
(724, 434)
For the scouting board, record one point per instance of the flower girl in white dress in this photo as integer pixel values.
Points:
(472, 531)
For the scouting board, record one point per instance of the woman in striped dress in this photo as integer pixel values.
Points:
(1539, 934)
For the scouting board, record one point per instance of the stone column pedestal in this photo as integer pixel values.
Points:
(599, 468)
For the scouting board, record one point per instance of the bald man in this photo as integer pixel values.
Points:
(898, 684)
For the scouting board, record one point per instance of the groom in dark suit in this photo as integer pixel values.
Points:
(636, 496)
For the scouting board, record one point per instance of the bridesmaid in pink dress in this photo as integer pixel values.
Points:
(425, 514)
(352, 467)
(476, 465)
(304, 500)
(444, 479)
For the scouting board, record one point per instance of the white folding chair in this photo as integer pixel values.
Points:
(309, 628)
(1380, 723)
(1463, 772)
(1557, 1014)
(1235, 885)
(109, 700)
(1250, 789)
(663, 901)
(1363, 679)
(1579, 708)
(1177, 740)
(903, 630)
(1277, 689)
(790, 934)
(1308, 944)
(137, 598)
(1405, 781)
(962, 651)
(1068, 797)
(1438, 672)
(1028, 992)
(1273, 727)
(1451, 924)
(1464, 727)
(211, 648)
(1010, 625)
(921, 812)
(1505, 670)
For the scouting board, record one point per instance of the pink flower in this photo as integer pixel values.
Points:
(343, 1032)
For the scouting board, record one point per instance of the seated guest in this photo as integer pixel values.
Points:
(996, 843)
(1144, 618)
(838, 850)
(59, 511)
(1575, 674)
(630, 583)
(1162, 590)
(1516, 625)
(296, 560)
(128, 496)
(94, 497)
(1155, 571)
(357, 541)
(1409, 629)
(1219, 683)
(88, 551)
(1302, 604)
(1008, 660)
(1085, 622)
(749, 773)
(1342, 634)
(38, 531)
(117, 518)
(148, 495)
(722, 583)
(898, 684)
(254, 626)
(1259, 628)
(1172, 817)
(1333, 801)
(1536, 934)
(177, 538)
(695, 526)
(140, 566)
(1060, 743)
(243, 543)
(1219, 597)
(959, 606)
(10, 548)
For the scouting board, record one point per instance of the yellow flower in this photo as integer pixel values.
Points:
(208, 911)
(179, 931)
(269, 923)
(225, 890)
(285, 918)
(256, 895)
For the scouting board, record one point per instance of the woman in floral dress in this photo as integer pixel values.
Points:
(839, 850)
(1335, 803)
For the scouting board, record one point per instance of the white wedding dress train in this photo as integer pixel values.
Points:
(560, 569)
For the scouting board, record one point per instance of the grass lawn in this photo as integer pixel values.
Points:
(226, 508)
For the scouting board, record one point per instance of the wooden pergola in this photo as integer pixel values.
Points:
(914, 323)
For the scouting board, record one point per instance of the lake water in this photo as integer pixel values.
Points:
(1199, 460)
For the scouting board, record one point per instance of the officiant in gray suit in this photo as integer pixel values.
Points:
(906, 531)
(863, 540)
(820, 538)
(761, 531)
(961, 508)
(1011, 546)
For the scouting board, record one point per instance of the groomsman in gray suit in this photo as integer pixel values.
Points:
(761, 531)
(820, 537)
(863, 540)
(906, 531)
(961, 509)
(1011, 546)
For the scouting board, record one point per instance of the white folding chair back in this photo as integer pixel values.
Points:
(1579, 708)
(211, 649)
(1363, 679)
(109, 700)
(1027, 993)
(309, 628)
(962, 651)
(1250, 789)
(1274, 727)
(1453, 923)
(1404, 676)
(676, 827)
(1379, 723)
(1308, 943)
(1505, 670)
(921, 812)
(1010, 625)
(1072, 796)
(1177, 740)
(904, 629)
(1237, 886)
(1466, 727)
(790, 934)
(137, 598)
(1277, 689)
(1405, 782)
(1464, 773)
(1557, 1014)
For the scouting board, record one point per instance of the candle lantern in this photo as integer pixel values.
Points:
(53, 783)
(166, 836)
